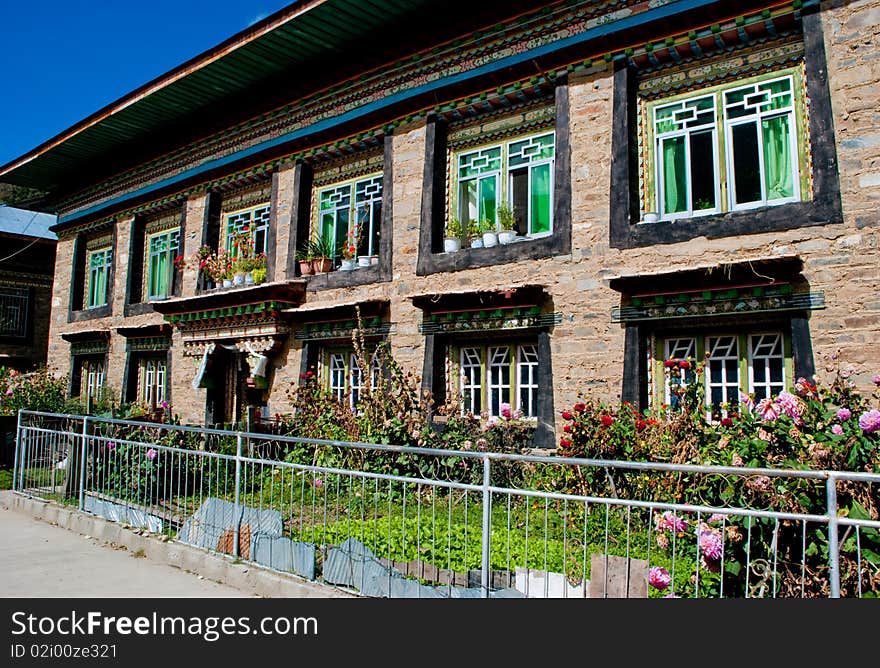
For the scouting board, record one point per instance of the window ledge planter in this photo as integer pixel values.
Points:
(451, 245)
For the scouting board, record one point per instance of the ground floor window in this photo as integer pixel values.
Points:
(758, 363)
(89, 375)
(492, 376)
(152, 379)
(343, 374)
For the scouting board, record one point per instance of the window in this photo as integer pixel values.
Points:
(98, 262)
(518, 173)
(163, 248)
(355, 209)
(757, 363)
(92, 371)
(255, 221)
(344, 377)
(490, 376)
(152, 379)
(14, 311)
(727, 148)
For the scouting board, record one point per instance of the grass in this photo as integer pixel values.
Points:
(5, 478)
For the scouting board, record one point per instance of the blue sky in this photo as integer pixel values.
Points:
(62, 60)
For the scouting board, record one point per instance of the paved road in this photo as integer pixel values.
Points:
(39, 560)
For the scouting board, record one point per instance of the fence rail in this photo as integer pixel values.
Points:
(393, 521)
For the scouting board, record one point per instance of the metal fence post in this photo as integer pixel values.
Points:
(82, 464)
(236, 520)
(15, 484)
(487, 516)
(833, 546)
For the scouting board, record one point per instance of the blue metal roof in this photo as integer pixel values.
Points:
(26, 223)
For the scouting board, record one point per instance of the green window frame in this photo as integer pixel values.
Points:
(254, 219)
(99, 262)
(757, 362)
(162, 249)
(730, 147)
(496, 374)
(352, 207)
(518, 172)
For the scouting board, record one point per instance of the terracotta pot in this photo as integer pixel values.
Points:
(305, 268)
(322, 265)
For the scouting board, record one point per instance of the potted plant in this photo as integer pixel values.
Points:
(200, 259)
(452, 239)
(322, 254)
(475, 233)
(490, 235)
(507, 223)
(304, 259)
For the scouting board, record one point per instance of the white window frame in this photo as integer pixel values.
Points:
(471, 379)
(152, 376)
(527, 392)
(234, 221)
(675, 352)
(754, 358)
(503, 177)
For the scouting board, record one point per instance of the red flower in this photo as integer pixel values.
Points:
(579, 407)
(640, 425)
(726, 422)
(566, 415)
(606, 420)
(699, 369)
(652, 421)
(684, 364)
(669, 364)
(564, 443)
(567, 429)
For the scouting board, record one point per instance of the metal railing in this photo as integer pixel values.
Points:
(394, 521)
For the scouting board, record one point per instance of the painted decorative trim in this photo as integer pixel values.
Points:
(100, 347)
(488, 320)
(543, 31)
(148, 344)
(344, 330)
(714, 303)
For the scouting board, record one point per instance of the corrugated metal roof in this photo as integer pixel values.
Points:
(26, 223)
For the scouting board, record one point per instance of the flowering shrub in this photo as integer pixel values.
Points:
(825, 426)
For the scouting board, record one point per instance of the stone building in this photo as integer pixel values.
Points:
(685, 178)
(27, 265)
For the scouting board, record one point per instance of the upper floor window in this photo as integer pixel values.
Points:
(98, 262)
(349, 217)
(251, 224)
(162, 249)
(515, 174)
(727, 148)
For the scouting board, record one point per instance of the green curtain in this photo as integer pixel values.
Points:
(159, 274)
(98, 291)
(540, 197)
(674, 175)
(487, 198)
(777, 157)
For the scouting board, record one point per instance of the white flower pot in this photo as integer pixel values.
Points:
(363, 260)
(248, 278)
(651, 217)
(477, 243)
(506, 236)
(347, 265)
(227, 282)
(490, 239)
(450, 245)
(238, 279)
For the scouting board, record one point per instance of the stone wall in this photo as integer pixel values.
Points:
(841, 260)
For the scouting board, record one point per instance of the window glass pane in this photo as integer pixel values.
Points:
(337, 376)
(498, 378)
(723, 379)
(471, 377)
(488, 188)
(468, 207)
(519, 196)
(767, 362)
(527, 389)
(676, 378)
(540, 199)
(674, 175)
(702, 145)
(746, 169)
(778, 176)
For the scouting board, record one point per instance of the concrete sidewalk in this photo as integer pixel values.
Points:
(55, 551)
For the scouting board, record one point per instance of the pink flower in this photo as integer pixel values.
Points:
(869, 421)
(318, 483)
(844, 414)
(164, 405)
(505, 411)
(717, 517)
(659, 578)
(768, 409)
(876, 379)
(837, 429)
(151, 454)
(110, 445)
(746, 400)
(669, 522)
(711, 545)
(736, 460)
(9, 392)
(792, 406)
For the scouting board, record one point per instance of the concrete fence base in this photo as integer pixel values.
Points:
(247, 577)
